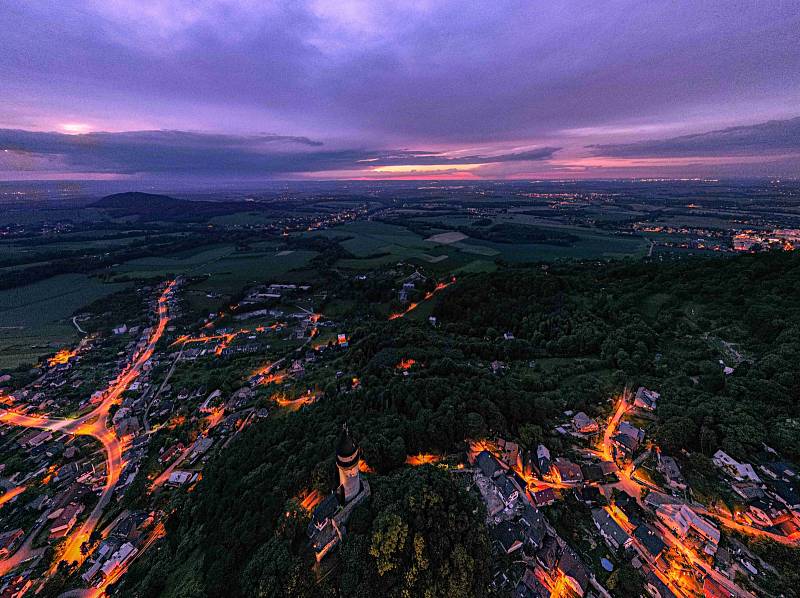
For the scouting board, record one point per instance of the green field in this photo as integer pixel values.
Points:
(376, 244)
(185, 262)
(227, 270)
(232, 271)
(35, 319)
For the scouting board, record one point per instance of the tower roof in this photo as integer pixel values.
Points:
(345, 447)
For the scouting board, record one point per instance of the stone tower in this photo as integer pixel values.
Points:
(347, 457)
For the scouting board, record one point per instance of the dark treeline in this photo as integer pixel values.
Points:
(669, 325)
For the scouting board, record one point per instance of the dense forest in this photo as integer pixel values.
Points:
(581, 332)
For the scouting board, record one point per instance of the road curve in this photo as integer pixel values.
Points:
(94, 424)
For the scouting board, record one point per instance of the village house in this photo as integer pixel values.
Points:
(66, 520)
(534, 528)
(786, 492)
(543, 462)
(778, 470)
(487, 464)
(684, 521)
(631, 431)
(584, 424)
(9, 541)
(657, 588)
(646, 399)
(650, 540)
(168, 455)
(566, 472)
(574, 571)
(670, 470)
(765, 512)
(543, 497)
(179, 478)
(123, 554)
(592, 473)
(739, 471)
(530, 586)
(508, 490)
(507, 536)
(610, 530)
(626, 445)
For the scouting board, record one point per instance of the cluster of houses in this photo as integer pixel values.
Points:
(118, 548)
(519, 529)
(68, 478)
(60, 380)
(272, 292)
(408, 290)
(643, 547)
(768, 492)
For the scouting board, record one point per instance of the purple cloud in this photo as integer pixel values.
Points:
(181, 153)
(459, 78)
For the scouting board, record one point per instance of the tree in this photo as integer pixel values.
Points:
(428, 537)
(531, 435)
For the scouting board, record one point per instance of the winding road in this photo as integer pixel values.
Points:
(95, 424)
(633, 488)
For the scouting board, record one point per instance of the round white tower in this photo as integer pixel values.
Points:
(347, 457)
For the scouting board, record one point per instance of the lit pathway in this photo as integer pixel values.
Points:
(94, 424)
(633, 488)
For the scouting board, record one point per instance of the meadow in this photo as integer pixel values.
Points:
(374, 244)
(36, 319)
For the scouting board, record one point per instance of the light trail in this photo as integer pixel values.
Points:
(62, 357)
(294, 404)
(94, 424)
(225, 338)
(310, 500)
(11, 494)
(422, 459)
(429, 295)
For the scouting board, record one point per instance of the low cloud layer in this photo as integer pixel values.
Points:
(765, 139)
(190, 153)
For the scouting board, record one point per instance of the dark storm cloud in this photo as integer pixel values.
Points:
(181, 152)
(773, 137)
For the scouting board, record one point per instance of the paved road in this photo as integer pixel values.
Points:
(78, 326)
(95, 424)
(634, 488)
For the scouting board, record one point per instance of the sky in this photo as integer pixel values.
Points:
(440, 89)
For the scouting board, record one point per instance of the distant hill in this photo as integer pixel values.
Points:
(150, 206)
(135, 200)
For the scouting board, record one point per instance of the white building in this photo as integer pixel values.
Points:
(740, 471)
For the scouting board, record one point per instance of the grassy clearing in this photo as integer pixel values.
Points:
(35, 319)
(447, 238)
